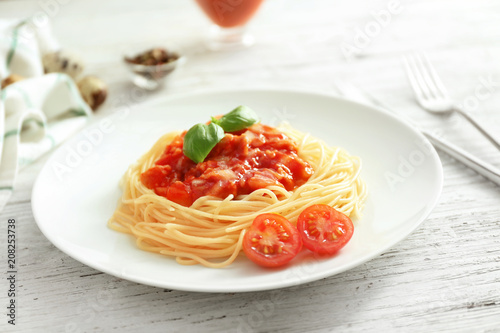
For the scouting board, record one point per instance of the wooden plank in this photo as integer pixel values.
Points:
(443, 277)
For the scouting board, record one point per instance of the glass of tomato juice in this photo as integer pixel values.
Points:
(230, 18)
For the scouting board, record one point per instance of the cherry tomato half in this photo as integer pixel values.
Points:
(271, 241)
(323, 229)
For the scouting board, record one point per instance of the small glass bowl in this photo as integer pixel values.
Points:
(151, 77)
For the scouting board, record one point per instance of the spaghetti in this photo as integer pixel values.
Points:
(211, 230)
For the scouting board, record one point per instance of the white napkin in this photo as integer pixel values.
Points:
(38, 113)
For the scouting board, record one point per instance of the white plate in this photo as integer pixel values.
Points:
(77, 190)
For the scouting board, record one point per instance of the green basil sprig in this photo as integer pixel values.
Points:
(201, 139)
(238, 119)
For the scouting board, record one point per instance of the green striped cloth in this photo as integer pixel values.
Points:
(36, 114)
(22, 44)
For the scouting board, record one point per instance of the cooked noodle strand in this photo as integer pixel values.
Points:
(210, 232)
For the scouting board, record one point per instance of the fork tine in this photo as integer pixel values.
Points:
(426, 75)
(413, 80)
(435, 77)
(419, 87)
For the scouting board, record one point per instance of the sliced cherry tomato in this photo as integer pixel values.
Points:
(323, 229)
(271, 241)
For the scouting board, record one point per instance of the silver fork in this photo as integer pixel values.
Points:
(432, 95)
(490, 172)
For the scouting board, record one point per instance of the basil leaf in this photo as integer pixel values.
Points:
(238, 119)
(214, 120)
(200, 140)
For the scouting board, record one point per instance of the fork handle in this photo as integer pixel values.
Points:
(478, 126)
(485, 169)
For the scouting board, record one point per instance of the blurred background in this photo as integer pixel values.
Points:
(300, 43)
(310, 45)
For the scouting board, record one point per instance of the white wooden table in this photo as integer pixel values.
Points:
(443, 277)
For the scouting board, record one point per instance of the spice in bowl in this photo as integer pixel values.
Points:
(152, 66)
(154, 57)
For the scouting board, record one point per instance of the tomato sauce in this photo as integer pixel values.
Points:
(240, 163)
(230, 13)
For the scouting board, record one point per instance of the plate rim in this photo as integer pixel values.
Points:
(282, 284)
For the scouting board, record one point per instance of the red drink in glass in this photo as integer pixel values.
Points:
(229, 13)
(230, 17)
